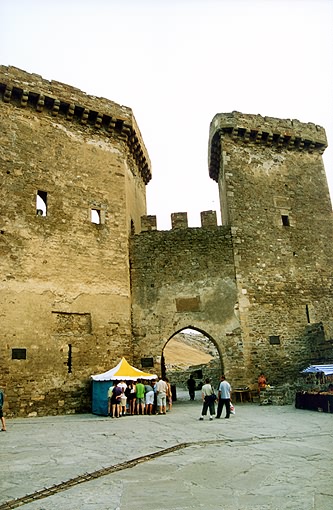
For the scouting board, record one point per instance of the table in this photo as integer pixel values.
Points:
(242, 394)
(314, 401)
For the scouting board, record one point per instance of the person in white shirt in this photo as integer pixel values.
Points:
(224, 398)
(208, 398)
(161, 390)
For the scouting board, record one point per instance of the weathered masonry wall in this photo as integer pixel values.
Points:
(84, 281)
(65, 295)
(185, 278)
(275, 196)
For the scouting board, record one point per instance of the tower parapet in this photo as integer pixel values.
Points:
(58, 100)
(208, 219)
(179, 221)
(255, 129)
(148, 223)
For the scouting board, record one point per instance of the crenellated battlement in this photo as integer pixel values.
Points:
(56, 99)
(179, 221)
(255, 129)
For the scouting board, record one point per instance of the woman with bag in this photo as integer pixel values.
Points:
(208, 397)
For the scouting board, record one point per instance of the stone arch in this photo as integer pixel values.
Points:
(187, 329)
(203, 332)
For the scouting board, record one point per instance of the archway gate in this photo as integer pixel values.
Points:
(191, 352)
(184, 278)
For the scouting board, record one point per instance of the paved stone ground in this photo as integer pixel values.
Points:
(263, 458)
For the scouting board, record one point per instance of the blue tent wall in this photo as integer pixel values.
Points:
(100, 397)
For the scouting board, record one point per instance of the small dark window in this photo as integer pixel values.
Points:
(198, 374)
(147, 362)
(274, 340)
(19, 353)
(41, 203)
(285, 220)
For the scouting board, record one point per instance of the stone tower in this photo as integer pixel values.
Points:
(275, 198)
(73, 175)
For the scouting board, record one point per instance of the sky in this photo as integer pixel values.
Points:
(177, 63)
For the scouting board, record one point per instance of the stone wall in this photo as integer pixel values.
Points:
(65, 295)
(83, 283)
(184, 278)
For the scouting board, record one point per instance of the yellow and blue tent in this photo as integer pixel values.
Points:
(102, 382)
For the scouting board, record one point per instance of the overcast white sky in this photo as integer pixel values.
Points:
(177, 63)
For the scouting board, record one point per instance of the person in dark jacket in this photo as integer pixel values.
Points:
(3, 421)
(191, 387)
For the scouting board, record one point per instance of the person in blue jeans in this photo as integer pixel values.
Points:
(223, 398)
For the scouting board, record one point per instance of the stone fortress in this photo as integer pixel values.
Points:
(87, 278)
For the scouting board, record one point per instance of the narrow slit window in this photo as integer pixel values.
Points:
(285, 220)
(69, 359)
(41, 203)
(95, 216)
(307, 313)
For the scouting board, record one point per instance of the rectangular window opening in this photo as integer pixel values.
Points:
(285, 220)
(274, 340)
(41, 203)
(95, 216)
(147, 362)
(19, 353)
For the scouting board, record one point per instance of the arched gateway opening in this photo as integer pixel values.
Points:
(191, 352)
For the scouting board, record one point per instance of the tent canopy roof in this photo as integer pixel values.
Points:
(123, 371)
(312, 369)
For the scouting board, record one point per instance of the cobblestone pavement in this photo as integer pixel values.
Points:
(262, 458)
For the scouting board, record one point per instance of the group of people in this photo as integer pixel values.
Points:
(223, 398)
(209, 398)
(155, 397)
(139, 397)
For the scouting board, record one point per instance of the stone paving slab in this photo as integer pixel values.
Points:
(263, 458)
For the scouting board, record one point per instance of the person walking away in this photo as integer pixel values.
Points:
(169, 394)
(140, 397)
(3, 421)
(191, 387)
(149, 398)
(161, 389)
(131, 397)
(123, 402)
(154, 385)
(208, 398)
(224, 398)
(122, 385)
(115, 400)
